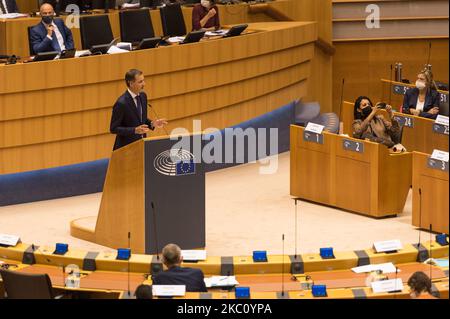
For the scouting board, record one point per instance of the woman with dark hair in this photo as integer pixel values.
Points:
(205, 16)
(375, 128)
(420, 286)
(423, 100)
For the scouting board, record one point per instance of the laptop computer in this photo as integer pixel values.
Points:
(67, 54)
(193, 36)
(45, 56)
(236, 30)
(148, 43)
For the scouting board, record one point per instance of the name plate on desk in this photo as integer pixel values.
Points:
(193, 255)
(9, 240)
(313, 137)
(315, 128)
(387, 285)
(438, 160)
(169, 290)
(354, 146)
(400, 89)
(440, 126)
(387, 246)
(404, 121)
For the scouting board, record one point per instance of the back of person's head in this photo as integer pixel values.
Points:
(419, 282)
(171, 255)
(144, 292)
(356, 113)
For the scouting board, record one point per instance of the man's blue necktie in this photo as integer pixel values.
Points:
(55, 43)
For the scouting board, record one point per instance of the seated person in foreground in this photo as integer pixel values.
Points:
(205, 16)
(423, 100)
(50, 34)
(177, 275)
(8, 6)
(420, 286)
(376, 128)
(144, 292)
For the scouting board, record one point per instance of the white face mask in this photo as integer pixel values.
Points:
(420, 85)
(205, 3)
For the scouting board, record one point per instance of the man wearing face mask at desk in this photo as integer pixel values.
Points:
(50, 34)
(205, 16)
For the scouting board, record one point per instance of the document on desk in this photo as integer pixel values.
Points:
(114, 49)
(175, 39)
(169, 290)
(82, 53)
(13, 15)
(130, 5)
(221, 281)
(387, 268)
(216, 33)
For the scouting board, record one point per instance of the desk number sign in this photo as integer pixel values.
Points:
(354, 146)
(438, 160)
(404, 121)
(440, 126)
(313, 133)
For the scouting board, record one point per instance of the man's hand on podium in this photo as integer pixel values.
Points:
(160, 123)
(141, 129)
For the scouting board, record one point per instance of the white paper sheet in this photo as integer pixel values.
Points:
(387, 268)
(221, 281)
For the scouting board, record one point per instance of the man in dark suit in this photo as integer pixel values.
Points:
(8, 6)
(177, 275)
(129, 116)
(51, 34)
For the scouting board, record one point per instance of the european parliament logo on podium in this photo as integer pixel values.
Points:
(185, 167)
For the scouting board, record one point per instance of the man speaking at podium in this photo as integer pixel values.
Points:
(129, 116)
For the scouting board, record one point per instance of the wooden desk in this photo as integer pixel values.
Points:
(373, 183)
(14, 36)
(432, 206)
(421, 137)
(63, 119)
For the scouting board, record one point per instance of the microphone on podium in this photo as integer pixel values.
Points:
(156, 267)
(157, 117)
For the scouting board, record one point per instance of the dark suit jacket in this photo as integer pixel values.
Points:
(125, 118)
(40, 41)
(11, 5)
(432, 99)
(192, 278)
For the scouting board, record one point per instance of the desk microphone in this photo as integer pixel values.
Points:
(51, 262)
(106, 11)
(154, 230)
(390, 88)
(395, 287)
(431, 257)
(157, 117)
(128, 264)
(429, 57)
(341, 101)
(282, 269)
(295, 255)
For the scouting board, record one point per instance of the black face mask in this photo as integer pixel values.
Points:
(47, 19)
(366, 112)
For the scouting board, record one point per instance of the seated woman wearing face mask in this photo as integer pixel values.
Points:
(375, 128)
(423, 100)
(205, 16)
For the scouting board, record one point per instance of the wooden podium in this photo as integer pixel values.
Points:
(430, 206)
(147, 172)
(348, 173)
